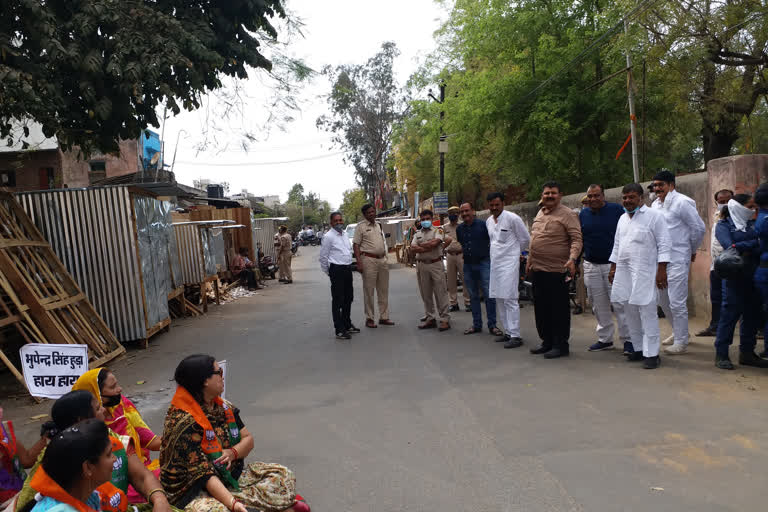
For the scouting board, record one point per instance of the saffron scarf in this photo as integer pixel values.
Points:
(210, 444)
(46, 486)
(123, 418)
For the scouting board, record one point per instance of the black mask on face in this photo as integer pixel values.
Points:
(453, 218)
(111, 401)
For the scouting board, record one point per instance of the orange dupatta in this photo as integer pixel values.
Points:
(46, 486)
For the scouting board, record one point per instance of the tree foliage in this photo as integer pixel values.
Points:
(93, 72)
(537, 90)
(310, 207)
(353, 201)
(365, 103)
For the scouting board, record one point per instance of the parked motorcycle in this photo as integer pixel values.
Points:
(295, 247)
(267, 267)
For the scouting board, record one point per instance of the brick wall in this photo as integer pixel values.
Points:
(77, 171)
(27, 166)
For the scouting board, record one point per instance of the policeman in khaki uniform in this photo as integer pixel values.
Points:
(428, 245)
(284, 256)
(370, 250)
(455, 260)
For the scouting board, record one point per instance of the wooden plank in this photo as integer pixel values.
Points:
(66, 302)
(21, 243)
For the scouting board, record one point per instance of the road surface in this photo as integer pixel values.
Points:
(400, 419)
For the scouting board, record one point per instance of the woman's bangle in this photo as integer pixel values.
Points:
(237, 455)
(235, 501)
(153, 491)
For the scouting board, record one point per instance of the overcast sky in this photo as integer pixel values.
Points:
(336, 32)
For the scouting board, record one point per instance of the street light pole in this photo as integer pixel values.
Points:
(442, 134)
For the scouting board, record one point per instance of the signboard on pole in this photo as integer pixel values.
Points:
(440, 203)
(51, 370)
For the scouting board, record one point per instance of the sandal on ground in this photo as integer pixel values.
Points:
(496, 331)
(473, 330)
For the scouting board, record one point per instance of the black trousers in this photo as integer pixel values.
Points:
(249, 276)
(341, 295)
(716, 298)
(552, 309)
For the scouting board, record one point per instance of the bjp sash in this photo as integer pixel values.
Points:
(210, 444)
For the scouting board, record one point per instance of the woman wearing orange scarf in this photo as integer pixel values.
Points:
(78, 406)
(76, 462)
(205, 444)
(121, 415)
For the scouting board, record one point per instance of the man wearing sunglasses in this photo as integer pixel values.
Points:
(687, 231)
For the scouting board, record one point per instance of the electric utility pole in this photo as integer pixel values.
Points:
(632, 117)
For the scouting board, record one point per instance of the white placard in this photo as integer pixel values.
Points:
(51, 370)
(223, 366)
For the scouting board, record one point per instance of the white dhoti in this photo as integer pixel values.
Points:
(674, 299)
(599, 291)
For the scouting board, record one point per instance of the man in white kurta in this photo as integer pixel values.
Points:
(641, 252)
(509, 237)
(685, 223)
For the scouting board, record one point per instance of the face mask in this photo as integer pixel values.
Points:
(339, 227)
(111, 401)
(631, 211)
(721, 206)
(453, 218)
(426, 224)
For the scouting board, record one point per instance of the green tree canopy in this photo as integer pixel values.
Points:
(353, 201)
(93, 72)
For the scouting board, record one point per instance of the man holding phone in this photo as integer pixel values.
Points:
(556, 244)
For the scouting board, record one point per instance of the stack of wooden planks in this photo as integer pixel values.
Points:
(39, 297)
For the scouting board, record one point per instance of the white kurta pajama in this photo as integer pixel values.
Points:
(509, 237)
(684, 222)
(642, 242)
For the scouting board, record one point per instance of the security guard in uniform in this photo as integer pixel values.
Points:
(284, 257)
(428, 245)
(455, 261)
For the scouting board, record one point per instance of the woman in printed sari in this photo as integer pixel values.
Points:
(205, 444)
(14, 459)
(75, 407)
(77, 461)
(121, 415)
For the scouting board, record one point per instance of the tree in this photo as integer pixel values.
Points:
(715, 54)
(365, 102)
(353, 201)
(92, 72)
(296, 194)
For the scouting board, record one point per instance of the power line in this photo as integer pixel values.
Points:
(253, 164)
(634, 11)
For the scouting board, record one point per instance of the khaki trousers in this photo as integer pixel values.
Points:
(455, 266)
(432, 280)
(284, 265)
(375, 277)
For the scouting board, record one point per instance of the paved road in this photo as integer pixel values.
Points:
(398, 419)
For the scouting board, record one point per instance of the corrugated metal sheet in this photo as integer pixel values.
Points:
(92, 232)
(264, 236)
(200, 251)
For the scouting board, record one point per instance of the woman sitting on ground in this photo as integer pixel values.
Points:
(204, 448)
(14, 459)
(75, 407)
(121, 415)
(78, 461)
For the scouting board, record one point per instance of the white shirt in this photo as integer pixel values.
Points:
(714, 246)
(334, 249)
(508, 236)
(642, 241)
(684, 222)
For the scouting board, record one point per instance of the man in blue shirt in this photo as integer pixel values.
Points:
(476, 244)
(598, 228)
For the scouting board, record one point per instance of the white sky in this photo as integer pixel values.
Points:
(336, 32)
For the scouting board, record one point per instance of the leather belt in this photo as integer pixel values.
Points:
(429, 261)
(371, 255)
(454, 253)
